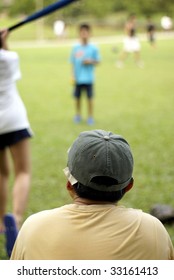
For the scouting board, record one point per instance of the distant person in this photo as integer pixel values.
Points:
(131, 43)
(59, 28)
(166, 23)
(14, 138)
(95, 226)
(150, 29)
(84, 57)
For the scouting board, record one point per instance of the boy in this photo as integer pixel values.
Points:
(84, 57)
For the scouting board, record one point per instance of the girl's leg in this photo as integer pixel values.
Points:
(4, 175)
(22, 167)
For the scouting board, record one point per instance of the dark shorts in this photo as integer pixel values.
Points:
(151, 38)
(88, 88)
(11, 138)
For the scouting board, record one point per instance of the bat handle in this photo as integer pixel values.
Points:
(16, 26)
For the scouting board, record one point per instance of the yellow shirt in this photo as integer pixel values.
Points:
(92, 232)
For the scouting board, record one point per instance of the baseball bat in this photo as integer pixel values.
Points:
(45, 11)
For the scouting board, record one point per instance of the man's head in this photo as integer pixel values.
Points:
(84, 30)
(102, 163)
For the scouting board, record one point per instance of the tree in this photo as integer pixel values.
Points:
(99, 8)
(22, 7)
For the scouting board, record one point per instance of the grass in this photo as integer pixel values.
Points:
(136, 103)
(40, 29)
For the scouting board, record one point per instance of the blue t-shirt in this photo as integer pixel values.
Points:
(84, 74)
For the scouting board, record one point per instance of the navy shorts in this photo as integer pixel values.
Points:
(11, 138)
(88, 88)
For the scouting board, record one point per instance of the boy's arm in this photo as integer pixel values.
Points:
(72, 66)
(90, 62)
(94, 60)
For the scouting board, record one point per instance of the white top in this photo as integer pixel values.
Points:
(13, 115)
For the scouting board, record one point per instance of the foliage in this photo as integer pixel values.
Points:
(22, 7)
(98, 8)
(149, 7)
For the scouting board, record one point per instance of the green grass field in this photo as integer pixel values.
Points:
(136, 103)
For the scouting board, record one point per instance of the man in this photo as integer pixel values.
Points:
(95, 227)
(84, 57)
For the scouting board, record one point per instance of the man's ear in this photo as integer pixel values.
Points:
(129, 187)
(69, 186)
(70, 190)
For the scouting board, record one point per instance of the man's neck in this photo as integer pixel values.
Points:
(84, 201)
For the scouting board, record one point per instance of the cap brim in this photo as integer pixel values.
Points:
(92, 185)
(69, 176)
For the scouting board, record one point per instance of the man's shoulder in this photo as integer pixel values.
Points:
(150, 222)
(43, 216)
(139, 213)
(49, 212)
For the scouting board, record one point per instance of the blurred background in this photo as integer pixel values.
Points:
(108, 17)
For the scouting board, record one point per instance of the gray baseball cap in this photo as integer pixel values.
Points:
(99, 153)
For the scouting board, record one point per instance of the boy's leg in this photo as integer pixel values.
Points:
(78, 106)
(90, 94)
(77, 96)
(90, 108)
